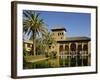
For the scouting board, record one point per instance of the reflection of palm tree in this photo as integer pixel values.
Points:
(33, 21)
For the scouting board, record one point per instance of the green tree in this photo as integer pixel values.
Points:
(49, 40)
(40, 47)
(32, 21)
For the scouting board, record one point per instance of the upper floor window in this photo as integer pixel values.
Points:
(58, 34)
(61, 33)
(49, 47)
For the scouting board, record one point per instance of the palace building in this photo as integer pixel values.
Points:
(77, 49)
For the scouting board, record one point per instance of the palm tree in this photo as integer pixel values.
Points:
(32, 21)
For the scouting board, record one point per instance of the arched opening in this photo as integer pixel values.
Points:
(79, 56)
(66, 49)
(73, 47)
(73, 58)
(85, 47)
(79, 47)
(85, 57)
(61, 48)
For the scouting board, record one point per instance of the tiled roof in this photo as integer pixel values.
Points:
(68, 39)
(58, 29)
(77, 38)
(72, 39)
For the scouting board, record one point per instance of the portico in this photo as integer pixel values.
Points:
(76, 50)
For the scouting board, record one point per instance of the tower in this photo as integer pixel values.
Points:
(59, 33)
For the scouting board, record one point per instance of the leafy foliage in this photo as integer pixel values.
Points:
(37, 26)
(53, 54)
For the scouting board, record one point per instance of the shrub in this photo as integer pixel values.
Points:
(25, 52)
(53, 54)
(46, 54)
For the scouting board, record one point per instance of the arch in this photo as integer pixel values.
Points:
(80, 47)
(85, 47)
(61, 48)
(66, 48)
(73, 47)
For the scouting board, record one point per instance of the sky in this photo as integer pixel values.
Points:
(76, 24)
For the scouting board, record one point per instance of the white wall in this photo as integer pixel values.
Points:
(5, 41)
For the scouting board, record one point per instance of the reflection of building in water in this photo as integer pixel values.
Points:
(76, 51)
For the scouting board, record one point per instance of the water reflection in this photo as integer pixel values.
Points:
(60, 61)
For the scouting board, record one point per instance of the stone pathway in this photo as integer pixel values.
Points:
(32, 61)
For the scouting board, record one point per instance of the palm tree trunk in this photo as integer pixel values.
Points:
(34, 44)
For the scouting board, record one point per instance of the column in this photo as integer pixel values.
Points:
(82, 53)
(63, 55)
(76, 53)
(69, 54)
(87, 53)
(57, 49)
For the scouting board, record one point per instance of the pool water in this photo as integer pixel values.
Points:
(56, 63)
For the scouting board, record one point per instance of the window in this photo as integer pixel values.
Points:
(28, 45)
(49, 47)
(58, 34)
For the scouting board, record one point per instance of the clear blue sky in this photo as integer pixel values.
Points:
(77, 24)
